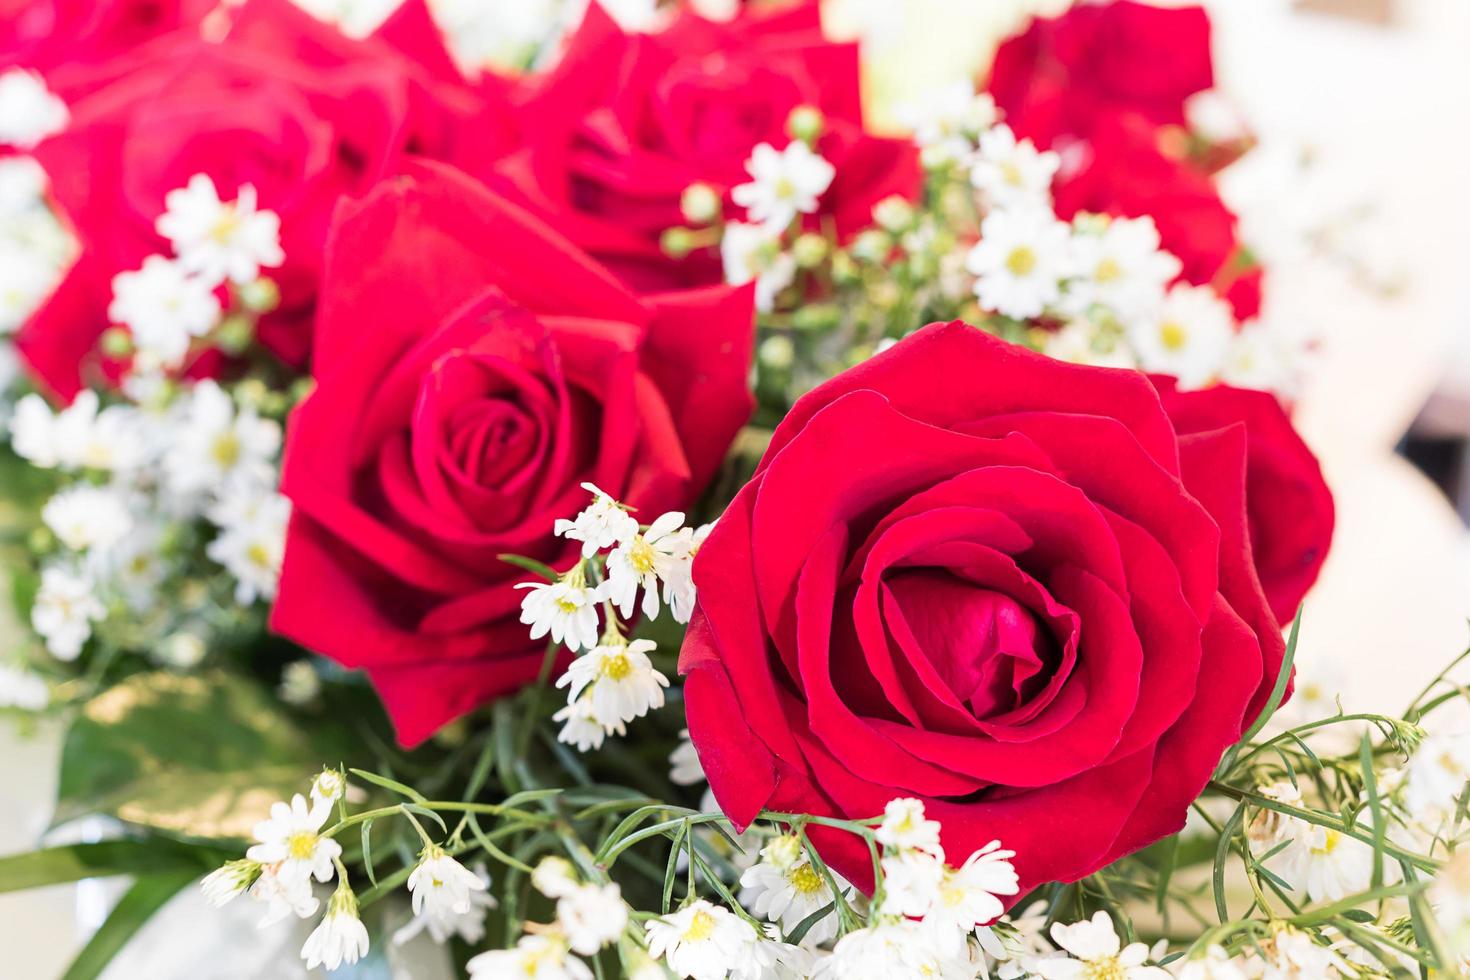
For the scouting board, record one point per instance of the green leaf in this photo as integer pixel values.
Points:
(531, 565)
(367, 850)
(392, 785)
(138, 904)
(1283, 677)
(74, 862)
(200, 755)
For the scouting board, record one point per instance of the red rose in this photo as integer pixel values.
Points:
(284, 103)
(1063, 73)
(42, 34)
(1123, 171)
(1287, 501)
(1000, 583)
(473, 369)
(627, 121)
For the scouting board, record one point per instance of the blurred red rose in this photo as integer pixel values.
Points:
(473, 368)
(1288, 502)
(1005, 585)
(44, 34)
(626, 122)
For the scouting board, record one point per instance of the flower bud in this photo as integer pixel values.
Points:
(700, 204)
(676, 242)
(809, 250)
(777, 353)
(235, 334)
(872, 246)
(806, 123)
(894, 214)
(260, 295)
(116, 342)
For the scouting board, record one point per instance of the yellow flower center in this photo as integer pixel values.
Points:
(226, 450)
(1021, 261)
(224, 229)
(785, 188)
(302, 845)
(616, 666)
(700, 927)
(567, 605)
(1108, 270)
(805, 879)
(1012, 173)
(641, 555)
(1173, 335)
(1104, 969)
(257, 554)
(1330, 840)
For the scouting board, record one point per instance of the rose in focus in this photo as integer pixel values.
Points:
(1005, 585)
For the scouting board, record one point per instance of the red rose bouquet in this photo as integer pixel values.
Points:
(448, 439)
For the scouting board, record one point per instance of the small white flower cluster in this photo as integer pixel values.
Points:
(35, 248)
(1326, 864)
(1105, 280)
(785, 184)
(785, 888)
(169, 303)
(614, 681)
(589, 917)
(1286, 954)
(29, 111)
(137, 477)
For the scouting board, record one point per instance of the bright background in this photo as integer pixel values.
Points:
(1381, 107)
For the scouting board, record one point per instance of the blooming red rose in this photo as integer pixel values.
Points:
(1123, 170)
(284, 103)
(626, 122)
(1064, 73)
(999, 583)
(473, 369)
(43, 34)
(1287, 500)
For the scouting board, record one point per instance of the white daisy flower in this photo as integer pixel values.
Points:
(252, 541)
(642, 560)
(1080, 341)
(540, 956)
(949, 121)
(65, 609)
(554, 877)
(1121, 268)
(88, 518)
(468, 925)
(136, 566)
(905, 827)
(784, 184)
(602, 524)
(22, 689)
(966, 896)
(283, 894)
(1295, 955)
(80, 436)
(702, 941)
(582, 727)
(901, 948)
(752, 253)
(291, 838)
(1215, 964)
(1187, 338)
(676, 569)
(1096, 952)
(1020, 261)
(566, 609)
(26, 279)
(220, 241)
(440, 886)
(1327, 864)
(1012, 172)
(164, 308)
(618, 679)
(329, 786)
(217, 448)
(911, 882)
(783, 887)
(1439, 772)
(1261, 357)
(229, 881)
(341, 937)
(29, 111)
(592, 916)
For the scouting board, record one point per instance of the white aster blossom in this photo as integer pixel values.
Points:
(164, 307)
(591, 916)
(905, 827)
(899, 948)
(540, 956)
(1264, 358)
(752, 253)
(967, 895)
(1121, 267)
(676, 569)
(283, 894)
(784, 887)
(29, 111)
(602, 524)
(229, 881)
(911, 882)
(252, 541)
(341, 937)
(643, 560)
(26, 279)
(1295, 955)
(1012, 172)
(441, 887)
(219, 240)
(1327, 864)
(22, 689)
(618, 678)
(1096, 951)
(79, 436)
(329, 786)
(565, 609)
(783, 184)
(583, 728)
(702, 941)
(554, 877)
(1449, 896)
(66, 606)
(136, 566)
(88, 518)
(1020, 261)
(1081, 341)
(291, 837)
(447, 924)
(949, 121)
(1187, 338)
(217, 448)
(1215, 964)
(1439, 772)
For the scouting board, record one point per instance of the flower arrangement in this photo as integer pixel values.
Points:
(485, 473)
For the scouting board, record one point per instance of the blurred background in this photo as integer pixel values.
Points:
(1358, 201)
